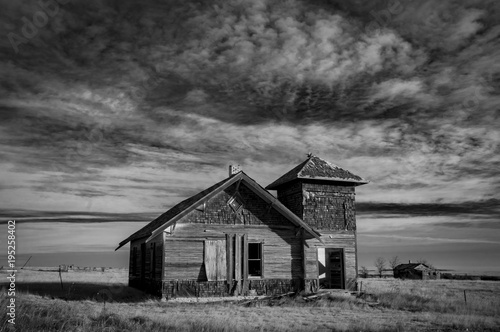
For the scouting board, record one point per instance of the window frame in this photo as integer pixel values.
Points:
(236, 203)
(261, 259)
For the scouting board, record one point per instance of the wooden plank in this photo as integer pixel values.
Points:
(263, 262)
(197, 203)
(281, 249)
(237, 262)
(229, 257)
(303, 254)
(143, 261)
(245, 256)
(152, 260)
(210, 258)
(192, 239)
(190, 254)
(221, 260)
(183, 265)
(162, 262)
(245, 263)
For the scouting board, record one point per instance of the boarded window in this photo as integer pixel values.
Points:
(255, 259)
(215, 260)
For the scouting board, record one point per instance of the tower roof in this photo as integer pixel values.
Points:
(318, 169)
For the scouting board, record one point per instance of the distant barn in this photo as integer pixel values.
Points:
(237, 238)
(416, 271)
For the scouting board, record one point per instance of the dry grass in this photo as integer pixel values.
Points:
(110, 285)
(442, 296)
(403, 306)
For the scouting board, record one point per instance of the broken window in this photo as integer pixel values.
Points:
(235, 203)
(255, 259)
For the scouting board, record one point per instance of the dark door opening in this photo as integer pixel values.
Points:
(331, 268)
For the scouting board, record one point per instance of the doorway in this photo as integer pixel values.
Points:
(331, 268)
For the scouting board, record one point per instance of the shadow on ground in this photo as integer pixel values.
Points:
(79, 291)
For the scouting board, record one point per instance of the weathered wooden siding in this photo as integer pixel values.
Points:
(289, 254)
(184, 258)
(254, 211)
(144, 277)
(291, 196)
(345, 240)
(282, 244)
(191, 288)
(135, 264)
(329, 207)
(184, 250)
(324, 206)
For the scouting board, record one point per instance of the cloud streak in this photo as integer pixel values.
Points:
(133, 106)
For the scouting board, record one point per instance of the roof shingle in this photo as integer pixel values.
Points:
(319, 169)
(174, 211)
(186, 205)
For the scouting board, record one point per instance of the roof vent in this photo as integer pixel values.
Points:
(234, 170)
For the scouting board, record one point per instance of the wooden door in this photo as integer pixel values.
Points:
(215, 260)
(237, 262)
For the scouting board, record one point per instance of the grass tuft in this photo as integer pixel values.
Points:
(387, 305)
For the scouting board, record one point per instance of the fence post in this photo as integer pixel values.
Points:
(465, 297)
(60, 278)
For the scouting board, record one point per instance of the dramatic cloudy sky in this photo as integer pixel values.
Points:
(113, 111)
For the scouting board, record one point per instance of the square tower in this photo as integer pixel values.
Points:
(322, 195)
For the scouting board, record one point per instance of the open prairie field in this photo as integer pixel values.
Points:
(100, 301)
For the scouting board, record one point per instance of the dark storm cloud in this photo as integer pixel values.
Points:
(124, 106)
(288, 61)
(489, 207)
(481, 224)
(181, 87)
(22, 216)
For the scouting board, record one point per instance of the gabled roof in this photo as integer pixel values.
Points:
(316, 168)
(158, 225)
(409, 266)
(172, 213)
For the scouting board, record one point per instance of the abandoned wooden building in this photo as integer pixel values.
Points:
(416, 271)
(237, 238)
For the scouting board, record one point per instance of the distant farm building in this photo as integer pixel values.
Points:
(237, 238)
(416, 271)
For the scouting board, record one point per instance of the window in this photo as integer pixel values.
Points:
(255, 259)
(235, 203)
